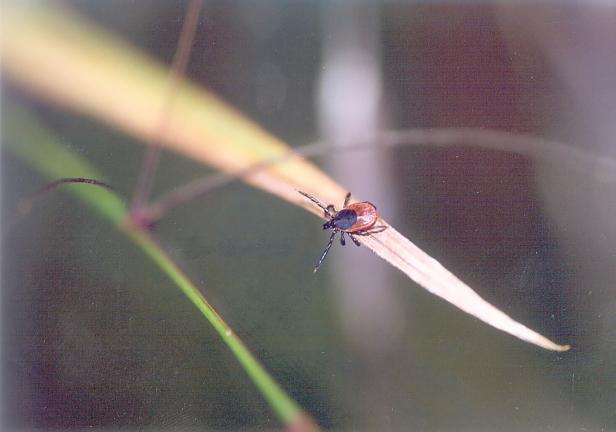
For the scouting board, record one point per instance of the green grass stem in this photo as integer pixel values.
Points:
(27, 138)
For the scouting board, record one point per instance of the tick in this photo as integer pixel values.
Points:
(354, 219)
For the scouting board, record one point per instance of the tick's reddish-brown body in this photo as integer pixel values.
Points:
(354, 219)
(366, 216)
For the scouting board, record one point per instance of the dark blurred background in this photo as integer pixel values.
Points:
(95, 336)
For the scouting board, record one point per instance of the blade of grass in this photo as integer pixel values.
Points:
(92, 72)
(36, 145)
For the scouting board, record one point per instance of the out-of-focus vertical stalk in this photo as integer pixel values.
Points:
(178, 69)
(350, 113)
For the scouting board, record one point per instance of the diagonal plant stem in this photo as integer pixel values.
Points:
(200, 187)
(551, 152)
(287, 410)
(178, 69)
(27, 139)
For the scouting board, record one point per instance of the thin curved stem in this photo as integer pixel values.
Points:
(24, 207)
(602, 168)
(67, 180)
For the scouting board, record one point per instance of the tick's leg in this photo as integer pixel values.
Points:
(342, 241)
(327, 248)
(357, 243)
(376, 229)
(317, 202)
(370, 231)
(330, 211)
(346, 200)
